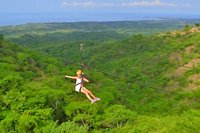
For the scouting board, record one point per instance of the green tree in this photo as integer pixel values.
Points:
(69, 127)
(10, 82)
(8, 124)
(187, 27)
(197, 24)
(1, 38)
(117, 116)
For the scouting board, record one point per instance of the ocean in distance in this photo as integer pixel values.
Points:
(22, 18)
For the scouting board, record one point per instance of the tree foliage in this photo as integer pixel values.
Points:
(143, 82)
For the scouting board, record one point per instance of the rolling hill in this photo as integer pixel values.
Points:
(147, 83)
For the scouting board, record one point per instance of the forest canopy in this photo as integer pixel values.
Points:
(147, 83)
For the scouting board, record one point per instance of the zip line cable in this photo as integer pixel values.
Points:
(81, 55)
(82, 65)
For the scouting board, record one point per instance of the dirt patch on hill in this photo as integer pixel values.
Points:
(194, 29)
(190, 65)
(193, 81)
(189, 49)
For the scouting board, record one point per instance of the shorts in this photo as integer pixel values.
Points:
(78, 88)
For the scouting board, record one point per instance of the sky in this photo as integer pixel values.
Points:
(99, 9)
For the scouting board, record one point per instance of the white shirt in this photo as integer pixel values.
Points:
(79, 84)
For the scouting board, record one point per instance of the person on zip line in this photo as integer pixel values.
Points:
(80, 86)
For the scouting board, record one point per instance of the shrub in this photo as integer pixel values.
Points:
(117, 116)
(10, 82)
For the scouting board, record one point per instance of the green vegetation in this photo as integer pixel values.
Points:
(121, 27)
(147, 83)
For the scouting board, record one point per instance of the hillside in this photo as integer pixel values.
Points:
(146, 83)
(61, 39)
(158, 67)
(128, 27)
(36, 97)
(50, 34)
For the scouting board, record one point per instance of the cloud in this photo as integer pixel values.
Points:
(87, 4)
(148, 4)
(152, 3)
(78, 4)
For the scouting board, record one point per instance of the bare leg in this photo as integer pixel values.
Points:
(90, 93)
(87, 95)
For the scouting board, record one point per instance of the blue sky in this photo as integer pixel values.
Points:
(94, 10)
(61, 6)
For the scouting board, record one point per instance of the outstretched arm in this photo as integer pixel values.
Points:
(86, 80)
(71, 77)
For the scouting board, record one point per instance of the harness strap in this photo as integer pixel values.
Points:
(80, 82)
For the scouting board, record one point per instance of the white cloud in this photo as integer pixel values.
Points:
(148, 4)
(79, 4)
(152, 3)
(87, 4)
